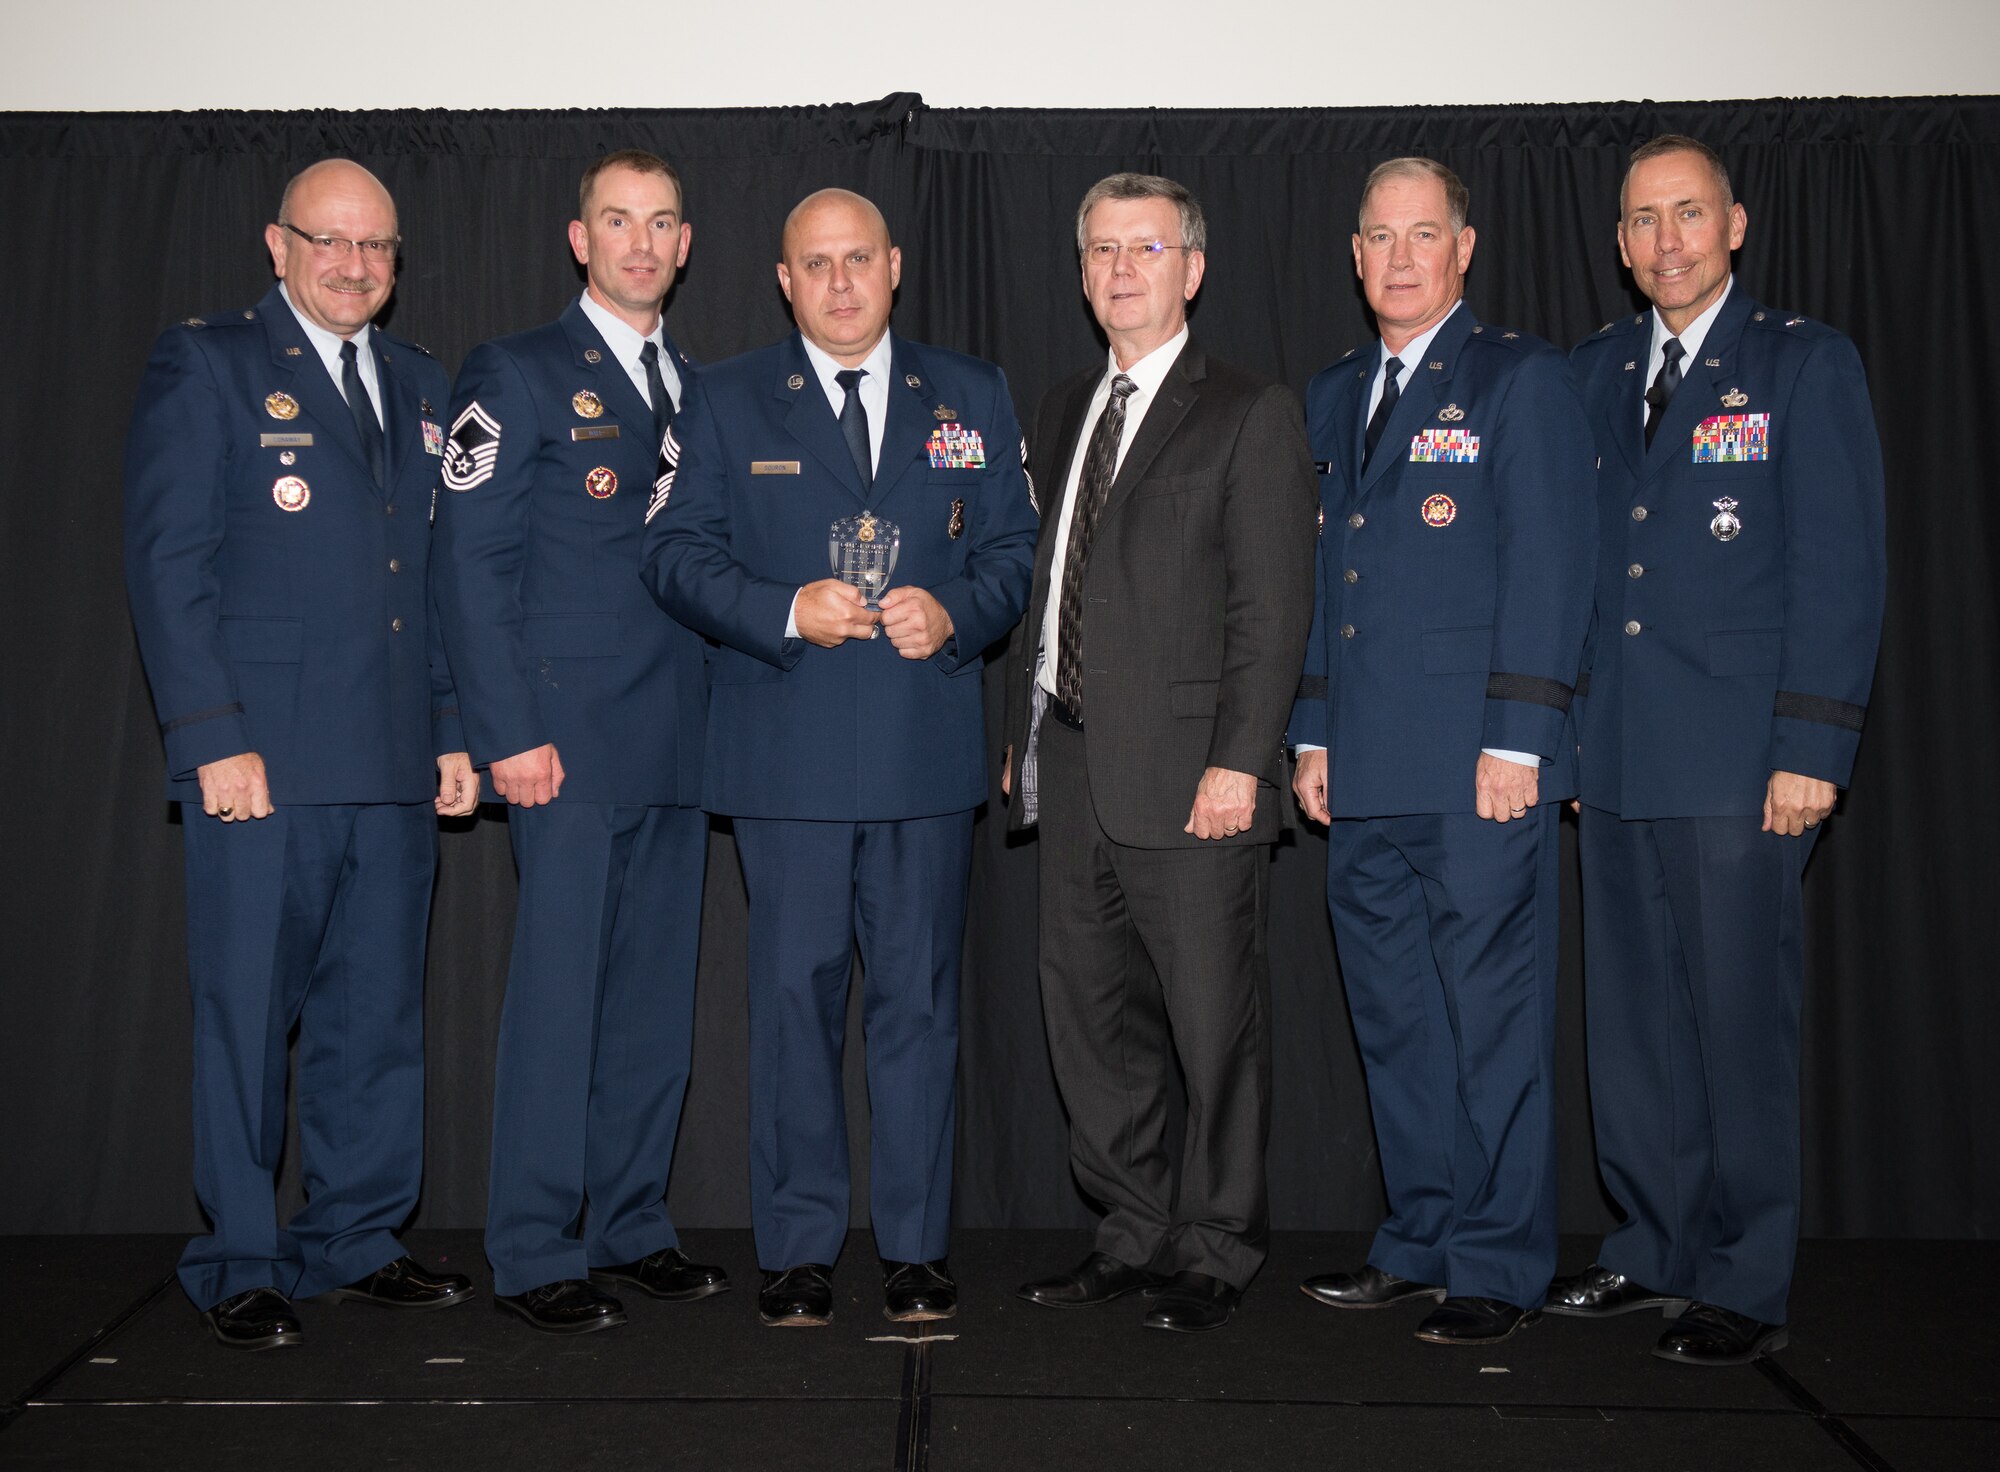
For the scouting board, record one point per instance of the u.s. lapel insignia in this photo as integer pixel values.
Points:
(1735, 399)
(912, 380)
(1711, 362)
(1725, 526)
(592, 355)
(955, 528)
(295, 352)
(290, 493)
(1631, 365)
(281, 406)
(1435, 366)
(940, 412)
(586, 403)
(796, 382)
(602, 482)
(1451, 413)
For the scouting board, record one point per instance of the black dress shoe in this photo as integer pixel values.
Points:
(566, 1306)
(262, 1318)
(1099, 1278)
(1707, 1335)
(1599, 1293)
(1369, 1288)
(668, 1274)
(800, 1297)
(406, 1283)
(917, 1292)
(1474, 1321)
(1192, 1303)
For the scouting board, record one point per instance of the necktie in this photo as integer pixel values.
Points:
(365, 423)
(1100, 468)
(1664, 383)
(656, 389)
(854, 424)
(1392, 372)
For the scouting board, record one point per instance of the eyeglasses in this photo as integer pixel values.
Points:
(1145, 252)
(338, 248)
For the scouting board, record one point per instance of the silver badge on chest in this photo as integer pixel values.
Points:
(1725, 527)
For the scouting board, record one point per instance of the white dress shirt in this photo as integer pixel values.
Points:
(626, 346)
(327, 345)
(874, 391)
(1692, 337)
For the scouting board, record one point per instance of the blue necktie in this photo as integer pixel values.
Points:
(854, 424)
(656, 387)
(365, 423)
(1664, 383)
(1392, 372)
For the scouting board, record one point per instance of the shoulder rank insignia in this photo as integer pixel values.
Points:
(281, 406)
(1605, 328)
(586, 403)
(193, 322)
(1795, 321)
(1509, 336)
(1480, 328)
(249, 316)
(1735, 399)
(1451, 413)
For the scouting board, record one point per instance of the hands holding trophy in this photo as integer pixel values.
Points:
(863, 552)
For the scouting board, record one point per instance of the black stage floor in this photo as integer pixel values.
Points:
(106, 1367)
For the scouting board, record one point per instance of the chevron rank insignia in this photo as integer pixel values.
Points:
(473, 450)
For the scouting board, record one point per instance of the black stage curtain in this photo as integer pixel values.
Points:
(1868, 214)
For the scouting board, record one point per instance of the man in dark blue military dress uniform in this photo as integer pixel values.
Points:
(586, 703)
(1434, 737)
(1739, 604)
(278, 487)
(847, 741)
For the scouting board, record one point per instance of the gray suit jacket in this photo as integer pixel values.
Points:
(1197, 599)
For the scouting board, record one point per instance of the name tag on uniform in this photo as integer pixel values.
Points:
(1444, 447)
(594, 432)
(1732, 439)
(774, 467)
(283, 441)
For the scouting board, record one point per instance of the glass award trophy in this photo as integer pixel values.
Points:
(863, 551)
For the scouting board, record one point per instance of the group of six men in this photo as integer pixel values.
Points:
(635, 591)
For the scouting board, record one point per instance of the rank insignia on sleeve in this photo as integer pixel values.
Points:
(1444, 447)
(1732, 439)
(1440, 511)
(1735, 399)
(433, 437)
(954, 447)
(281, 406)
(473, 450)
(1029, 476)
(955, 528)
(290, 493)
(669, 465)
(601, 482)
(586, 403)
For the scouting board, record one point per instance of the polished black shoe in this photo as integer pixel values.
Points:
(1707, 1335)
(406, 1283)
(1599, 1293)
(1369, 1288)
(1474, 1321)
(917, 1292)
(1191, 1303)
(566, 1306)
(262, 1318)
(1099, 1278)
(797, 1298)
(668, 1274)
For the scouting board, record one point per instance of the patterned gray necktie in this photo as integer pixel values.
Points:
(1100, 467)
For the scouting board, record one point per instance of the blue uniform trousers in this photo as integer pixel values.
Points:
(595, 1037)
(1447, 929)
(815, 889)
(314, 916)
(1692, 978)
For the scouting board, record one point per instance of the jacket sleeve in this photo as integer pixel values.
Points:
(176, 465)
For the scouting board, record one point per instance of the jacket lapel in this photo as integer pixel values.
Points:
(913, 400)
(300, 372)
(1701, 385)
(809, 418)
(1177, 394)
(1428, 388)
(600, 371)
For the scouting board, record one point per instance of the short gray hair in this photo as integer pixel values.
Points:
(1457, 199)
(1677, 143)
(1194, 225)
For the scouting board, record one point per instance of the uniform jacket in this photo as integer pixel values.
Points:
(1732, 640)
(759, 472)
(552, 636)
(1454, 575)
(278, 593)
(1195, 602)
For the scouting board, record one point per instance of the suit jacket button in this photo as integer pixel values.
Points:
(390, 509)
(1347, 631)
(1635, 571)
(396, 626)
(1631, 626)
(1355, 519)
(1350, 576)
(1638, 513)
(395, 565)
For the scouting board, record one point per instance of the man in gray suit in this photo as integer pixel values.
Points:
(1147, 699)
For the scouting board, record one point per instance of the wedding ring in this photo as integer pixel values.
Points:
(224, 812)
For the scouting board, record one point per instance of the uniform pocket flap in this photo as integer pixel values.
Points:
(1458, 651)
(1745, 651)
(570, 635)
(264, 640)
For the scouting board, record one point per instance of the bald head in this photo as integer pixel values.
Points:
(334, 245)
(839, 272)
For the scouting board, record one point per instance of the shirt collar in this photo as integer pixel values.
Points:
(625, 343)
(1696, 332)
(875, 365)
(327, 344)
(1150, 371)
(1412, 352)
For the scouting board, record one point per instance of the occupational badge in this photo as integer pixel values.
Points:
(473, 450)
(1725, 527)
(955, 528)
(281, 406)
(1451, 414)
(586, 403)
(1732, 439)
(1440, 511)
(940, 412)
(433, 437)
(602, 482)
(1735, 399)
(290, 493)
